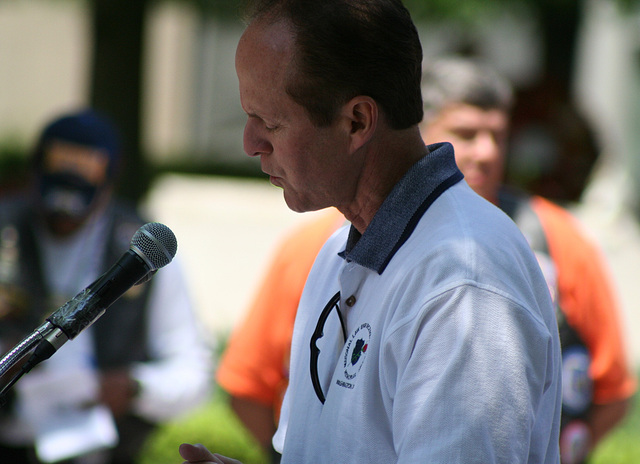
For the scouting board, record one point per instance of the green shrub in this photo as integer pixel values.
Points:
(214, 425)
(621, 446)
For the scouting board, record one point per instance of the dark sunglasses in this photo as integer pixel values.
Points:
(317, 334)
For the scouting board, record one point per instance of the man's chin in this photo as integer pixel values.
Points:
(295, 207)
(295, 203)
(485, 192)
(63, 225)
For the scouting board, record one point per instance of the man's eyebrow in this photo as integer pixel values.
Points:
(266, 120)
(253, 114)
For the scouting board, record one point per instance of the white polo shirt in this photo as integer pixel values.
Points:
(452, 352)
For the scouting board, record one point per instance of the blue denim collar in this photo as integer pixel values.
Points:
(401, 211)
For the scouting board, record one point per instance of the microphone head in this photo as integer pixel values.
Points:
(155, 243)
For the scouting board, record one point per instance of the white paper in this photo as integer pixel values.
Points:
(74, 433)
(60, 407)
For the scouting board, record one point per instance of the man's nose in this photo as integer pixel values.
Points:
(255, 144)
(486, 146)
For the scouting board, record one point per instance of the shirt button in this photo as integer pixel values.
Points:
(350, 301)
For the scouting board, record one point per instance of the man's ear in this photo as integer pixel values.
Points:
(361, 113)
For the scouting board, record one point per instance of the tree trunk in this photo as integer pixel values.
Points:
(116, 82)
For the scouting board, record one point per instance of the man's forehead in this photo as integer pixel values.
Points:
(464, 113)
(264, 42)
(263, 61)
(275, 34)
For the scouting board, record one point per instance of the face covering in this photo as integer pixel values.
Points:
(65, 194)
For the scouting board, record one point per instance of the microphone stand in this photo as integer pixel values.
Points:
(47, 331)
(152, 247)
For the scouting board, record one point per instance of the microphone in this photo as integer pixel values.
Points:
(153, 246)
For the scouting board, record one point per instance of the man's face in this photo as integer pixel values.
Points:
(72, 178)
(479, 138)
(307, 161)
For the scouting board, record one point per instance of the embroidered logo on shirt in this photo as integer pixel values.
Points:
(354, 354)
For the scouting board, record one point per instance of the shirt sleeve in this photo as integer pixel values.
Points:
(452, 401)
(255, 364)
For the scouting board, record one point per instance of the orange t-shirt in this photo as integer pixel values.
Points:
(255, 363)
(587, 300)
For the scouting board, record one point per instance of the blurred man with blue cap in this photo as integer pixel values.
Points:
(75, 165)
(143, 362)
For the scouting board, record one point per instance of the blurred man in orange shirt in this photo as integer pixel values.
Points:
(468, 104)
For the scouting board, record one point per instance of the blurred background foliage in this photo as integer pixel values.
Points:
(215, 425)
(117, 63)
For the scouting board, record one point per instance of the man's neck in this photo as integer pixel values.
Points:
(389, 158)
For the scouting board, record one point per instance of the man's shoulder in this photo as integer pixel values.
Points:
(13, 207)
(126, 211)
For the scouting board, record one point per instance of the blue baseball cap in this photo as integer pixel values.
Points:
(86, 127)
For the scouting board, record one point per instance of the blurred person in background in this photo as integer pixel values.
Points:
(256, 379)
(143, 362)
(468, 104)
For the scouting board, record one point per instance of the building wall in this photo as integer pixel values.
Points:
(43, 64)
(191, 102)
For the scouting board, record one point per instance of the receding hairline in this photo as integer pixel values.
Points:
(285, 43)
(454, 80)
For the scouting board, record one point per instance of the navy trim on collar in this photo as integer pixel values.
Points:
(400, 212)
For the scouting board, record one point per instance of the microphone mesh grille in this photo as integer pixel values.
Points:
(157, 243)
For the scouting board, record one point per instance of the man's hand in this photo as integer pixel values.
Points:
(201, 455)
(117, 390)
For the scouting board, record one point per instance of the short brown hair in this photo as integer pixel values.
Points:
(347, 48)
